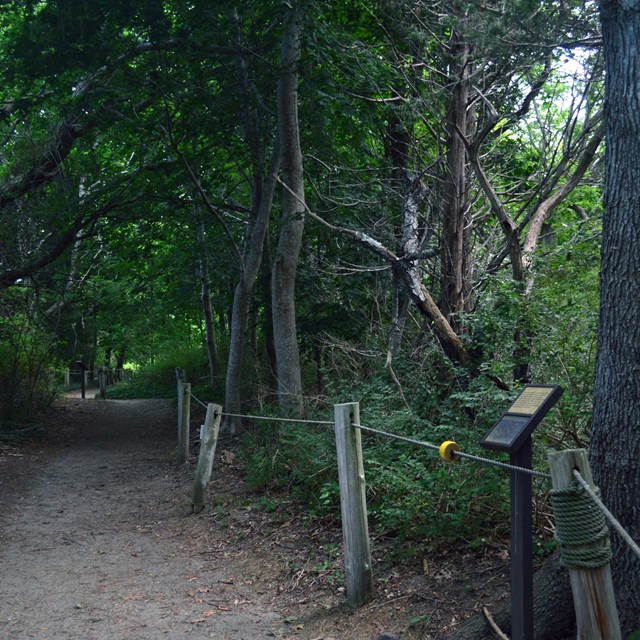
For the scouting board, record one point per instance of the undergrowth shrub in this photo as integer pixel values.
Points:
(300, 459)
(27, 376)
(411, 493)
(158, 379)
(17, 432)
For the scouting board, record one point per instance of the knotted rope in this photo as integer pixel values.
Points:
(580, 529)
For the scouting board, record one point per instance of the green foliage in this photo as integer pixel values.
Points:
(158, 379)
(300, 459)
(27, 376)
(18, 432)
(143, 385)
(411, 493)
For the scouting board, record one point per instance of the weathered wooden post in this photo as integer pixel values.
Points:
(102, 382)
(67, 380)
(585, 551)
(180, 378)
(210, 431)
(184, 418)
(353, 505)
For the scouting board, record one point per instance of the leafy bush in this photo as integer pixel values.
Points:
(142, 386)
(27, 377)
(158, 379)
(411, 493)
(17, 432)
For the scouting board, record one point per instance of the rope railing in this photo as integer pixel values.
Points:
(274, 419)
(193, 395)
(581, 530)
(394, 436)
(456, 454)
(224, 414)
(614, 523)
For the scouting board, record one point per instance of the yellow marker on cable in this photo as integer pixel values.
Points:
(447, 450)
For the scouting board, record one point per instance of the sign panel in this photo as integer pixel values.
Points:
(522, 417)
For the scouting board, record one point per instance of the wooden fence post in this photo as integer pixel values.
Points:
(184, 418)
(211, 428)
(593, 597)
(353, 505)
(67, 380)
(180, 378)
(102, 381)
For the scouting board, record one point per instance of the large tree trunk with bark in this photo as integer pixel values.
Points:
(554, 617)
(615, 442)
(262, 191)
(292, 225)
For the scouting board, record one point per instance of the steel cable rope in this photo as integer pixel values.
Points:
(198, 400)
(241, 415)
(298, 420)
(616, 525)
(426, 445)
(457, 454)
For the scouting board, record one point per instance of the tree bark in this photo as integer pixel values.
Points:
(267, 328)
(292, 224)
(554, 617)
(242, 295)
(262, 192)
(205, 299)
(615, 442)
(456, 218)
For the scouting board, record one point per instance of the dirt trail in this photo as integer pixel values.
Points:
(92, 546)
(97, 543)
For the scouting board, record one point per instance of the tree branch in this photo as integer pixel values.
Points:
(10, 277)
(410, 276)
(545, 208)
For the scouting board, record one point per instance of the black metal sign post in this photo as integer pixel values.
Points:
(512, 433)
(83, 368)
(521, 545)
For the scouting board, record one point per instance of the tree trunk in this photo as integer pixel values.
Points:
(456, 218)
(121, 356)
(292, 224)
(615, 442)
(554, 617)
(262, 191)
(267, 328)
(205, 299)
(242, 296)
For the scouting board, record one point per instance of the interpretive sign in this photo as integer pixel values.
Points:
(522, 417)
(512, 433)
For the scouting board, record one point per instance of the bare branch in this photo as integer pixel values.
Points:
(409, 274)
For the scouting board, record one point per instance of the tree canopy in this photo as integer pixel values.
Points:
(302, 201)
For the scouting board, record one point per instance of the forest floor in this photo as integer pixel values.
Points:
(97, 542)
